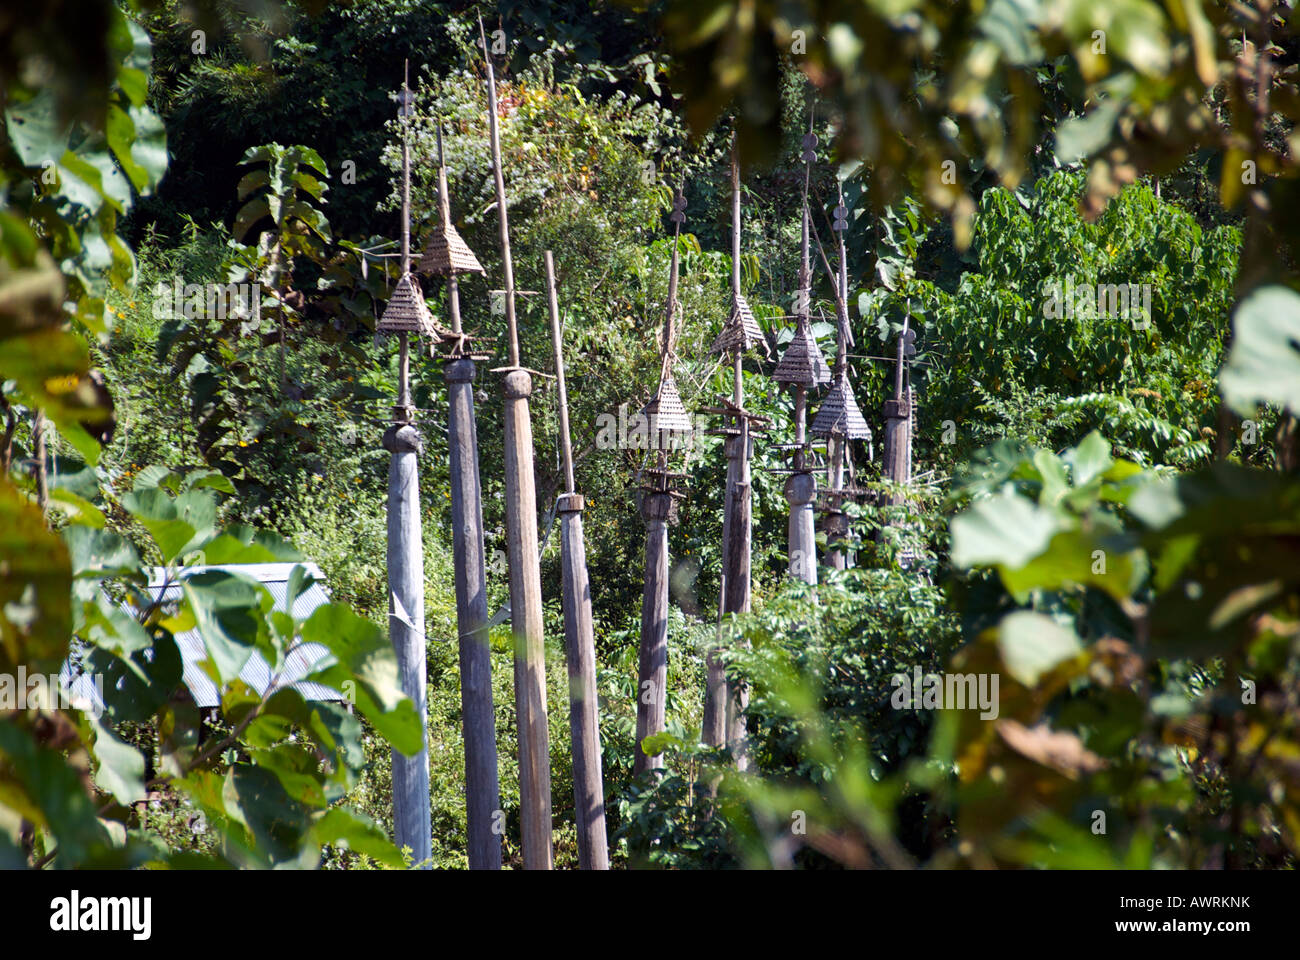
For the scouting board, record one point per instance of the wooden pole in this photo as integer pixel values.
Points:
(525, 569)
(39, 454)
(657, 511)
(579, 636)
(898, 425)
(406, 580)
(737, 526)
(652, 664)
(801, 487)
(714, 723)
(482, 787)
(836, 521)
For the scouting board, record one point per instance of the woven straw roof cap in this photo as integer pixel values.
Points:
(667, 413)
(802, 362)
(406, 311)
(741, 331)
(446, 253)
(840, 414)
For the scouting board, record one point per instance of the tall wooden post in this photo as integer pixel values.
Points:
(447, 255)
(579, 637)
(802, 366)
(652, 663)
(724, 704)
(898, 420)
(521, 530)
(666, 416)
(839, 419)
(406, 562)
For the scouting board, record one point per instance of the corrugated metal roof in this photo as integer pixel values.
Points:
(256, 673)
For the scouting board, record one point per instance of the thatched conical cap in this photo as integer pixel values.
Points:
(406, 311)
(741, 332)
(802, 362)
(446, 253)
(840, 414)
(665, 410)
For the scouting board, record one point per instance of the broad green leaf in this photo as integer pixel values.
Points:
(255, 798)
(35, 586)
(1091, 458)
(241, 544)
(44, 788)
(121, 766)
(136, 686)
(361, 655)
(77, 509)
(1264, 363)
(1004, 530)
(1076, 558)
(230, 612)
(355, 831)
(1031, 645)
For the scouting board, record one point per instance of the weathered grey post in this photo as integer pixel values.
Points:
(724, 704)
(521, 530)
(840, 419)
(666, 417)
(898, 419)
(404, 314)
(802, 366)
(447, 255)
(579, 637)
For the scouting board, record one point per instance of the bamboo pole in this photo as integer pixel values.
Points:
(405, 558)
(482, 786)
(714, 725)
(579, 636)
(521, 528)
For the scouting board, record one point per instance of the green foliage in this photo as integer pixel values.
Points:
(75, 150)
(999, 355)
(268, 787)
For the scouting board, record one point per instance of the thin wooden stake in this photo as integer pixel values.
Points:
(525, 569)
(579, 636)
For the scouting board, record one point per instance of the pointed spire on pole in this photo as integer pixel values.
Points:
(446, 254)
